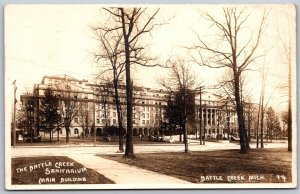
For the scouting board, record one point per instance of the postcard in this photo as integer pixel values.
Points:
(150, 96)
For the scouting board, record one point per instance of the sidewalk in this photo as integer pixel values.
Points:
(123, 173)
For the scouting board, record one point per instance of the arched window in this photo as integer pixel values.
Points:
(98, 131)
(76, 131)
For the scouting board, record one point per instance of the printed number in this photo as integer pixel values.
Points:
(281, 178)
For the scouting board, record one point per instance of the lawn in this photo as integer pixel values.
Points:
(86, 141)
(53, 170)
(258, 166)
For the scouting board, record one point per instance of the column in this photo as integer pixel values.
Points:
(211, 110)
(216, 113)
(206, 116)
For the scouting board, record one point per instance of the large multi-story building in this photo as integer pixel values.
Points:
(96, 110)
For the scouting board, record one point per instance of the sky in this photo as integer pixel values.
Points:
(57, 39)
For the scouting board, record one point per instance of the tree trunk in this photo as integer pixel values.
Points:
(258, 120)
(262, 124)
(249, 125)
(239, 110)
(67, 134)
(129, 144)
(186, 149)
(180, 133)
(268, 134)
(118, 106)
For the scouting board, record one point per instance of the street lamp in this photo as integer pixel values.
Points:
(14, 116)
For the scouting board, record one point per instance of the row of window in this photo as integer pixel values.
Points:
(108, 121)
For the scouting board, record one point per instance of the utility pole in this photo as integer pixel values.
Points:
(94, 109)
(200, 116)
(14, 119)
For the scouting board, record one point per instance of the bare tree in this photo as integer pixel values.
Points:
(110, 58)
(287, 47)
(103, 97)
(133, 24)
(69, 105)
(228, 53)
(226, 84)
(180, 82)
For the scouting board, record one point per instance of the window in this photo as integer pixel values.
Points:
(143, 115)
(76, 120)
(114, 121)
(75, 131)
(148, 122)
(60, 131)
(98, 121)
(143, 122)
(103, 121)
(114, 114)
(147, 115)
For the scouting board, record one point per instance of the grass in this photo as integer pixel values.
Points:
(86, 141)
(266, 165)
(37, 172)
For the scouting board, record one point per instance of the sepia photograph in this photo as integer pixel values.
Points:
(150, 96)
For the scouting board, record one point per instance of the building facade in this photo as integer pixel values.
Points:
(95, 109)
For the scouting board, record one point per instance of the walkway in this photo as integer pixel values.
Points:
(119, 172)
(122, 173)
